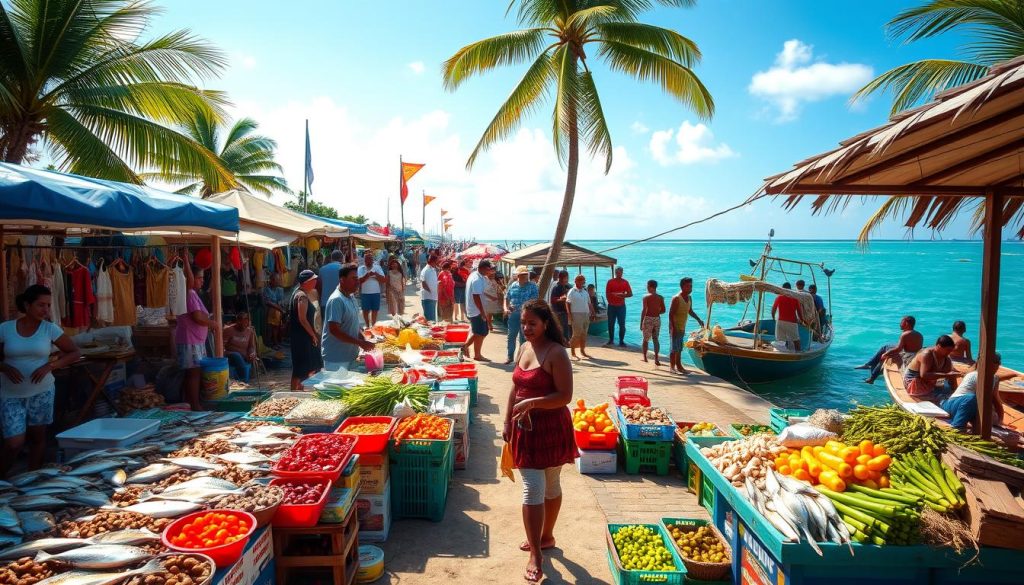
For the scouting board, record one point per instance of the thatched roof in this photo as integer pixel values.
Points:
(571, 255)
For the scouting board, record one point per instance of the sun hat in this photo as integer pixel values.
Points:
(522, 270)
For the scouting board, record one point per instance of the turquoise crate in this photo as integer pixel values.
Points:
(734, 429)
(464, 384)
(646, 456)
(679, 458)
(637, 432)
(419, 487)
(707, 493)
(625, 576)
(779, 417)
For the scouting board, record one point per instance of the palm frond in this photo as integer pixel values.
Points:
(593, 124)
(81, 151)
(539, 12)
(565, 120)
(586, 17)
(631, 9)
(916, 82)
(891, 208)
(663, 41)
(13, 55)
(997, 25)
(264, 184)
(164, 102)
(675, 79)
(240, 129)
(524, 99)
(507, 49)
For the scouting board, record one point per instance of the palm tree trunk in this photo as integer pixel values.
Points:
(567, 199)
(18, 143)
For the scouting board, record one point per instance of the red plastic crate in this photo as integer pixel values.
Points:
(300, 515)
(632, 382)
(597, 441)
(223, 555)
(630, 399)
(331, 475)
(369, 444)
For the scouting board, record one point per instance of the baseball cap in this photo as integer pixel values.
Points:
(305, 276)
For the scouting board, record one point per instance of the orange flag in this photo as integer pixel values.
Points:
(408, 170)
(427, 199)
(444, 212)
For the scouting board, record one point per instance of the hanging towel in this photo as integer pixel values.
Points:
(58, 308)
(177, 293)
(104, 297)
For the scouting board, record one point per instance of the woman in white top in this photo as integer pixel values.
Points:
(26, 375)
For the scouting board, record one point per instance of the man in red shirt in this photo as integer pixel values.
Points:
(617, 290)
(787, 319)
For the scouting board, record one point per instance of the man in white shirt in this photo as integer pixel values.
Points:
(962, 405)
(580, 314)
(476, 284)
(428, 288)
(371, 277)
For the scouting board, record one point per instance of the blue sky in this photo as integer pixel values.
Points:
(367, 76)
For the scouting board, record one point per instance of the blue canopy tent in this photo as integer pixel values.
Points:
(34, 200)
(354, 228)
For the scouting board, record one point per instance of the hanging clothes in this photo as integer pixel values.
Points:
(58, 299)
(82, 298)
(123, 286)
(139, 281)
(246, 277)
(32, 274)
(156, 285)
(258, 270)
(104, 297)
(177, 292)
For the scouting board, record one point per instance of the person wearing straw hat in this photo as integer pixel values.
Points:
(520, 291)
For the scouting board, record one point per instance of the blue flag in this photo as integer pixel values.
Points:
(309, 161)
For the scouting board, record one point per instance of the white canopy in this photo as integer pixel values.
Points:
(257, 215)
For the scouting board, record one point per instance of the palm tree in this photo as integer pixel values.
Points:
(77, 76)
(995, 33)
(248, 158)
(556, 42)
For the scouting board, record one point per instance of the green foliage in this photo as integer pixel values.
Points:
(101, 90)
(314, 208)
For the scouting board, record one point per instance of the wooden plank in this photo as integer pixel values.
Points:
(993, 514)
(993, 227)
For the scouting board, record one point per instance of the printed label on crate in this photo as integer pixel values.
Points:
(757, 567)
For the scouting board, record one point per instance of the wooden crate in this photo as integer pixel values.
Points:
(995, 516)
(340, 556)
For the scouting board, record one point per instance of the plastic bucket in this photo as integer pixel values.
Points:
(215, 378)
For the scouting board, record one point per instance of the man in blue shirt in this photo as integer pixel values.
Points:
(518, 293)
(342, 339)
(328, 275)
(819, 305)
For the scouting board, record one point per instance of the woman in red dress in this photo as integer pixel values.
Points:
(538, 427)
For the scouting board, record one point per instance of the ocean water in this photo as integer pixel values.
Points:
(936, 281)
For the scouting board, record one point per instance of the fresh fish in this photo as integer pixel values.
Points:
(9, 520)
(153, 472)
(795, 486)
(794, 505)
(99, 466)
(128, 536)
(196, 463)
(5, 485)
(247, 457)
(783, 526)
(50, 545)
(23, 479)
(115, 477)
(9, 539)
(819, 520)
(88, 498)
(48, 490)
(65, 481)
(214, 483)
(160, 508)
(94, 578)
(97, 556)
(247, 467)
(274, 431)
(179, 437)
(754, 495)
(36, 503)
(195, 495)
(771, 482)
(35, 522)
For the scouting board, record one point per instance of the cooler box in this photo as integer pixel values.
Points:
(597, 462)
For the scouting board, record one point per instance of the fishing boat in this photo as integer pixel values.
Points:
(1011, 393)
(749, 352)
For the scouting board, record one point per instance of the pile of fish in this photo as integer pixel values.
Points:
(797, 511)
(39, 509)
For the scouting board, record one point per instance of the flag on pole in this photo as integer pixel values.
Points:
(427, 199)
(444, 212)
(408, 170)
(309, 160)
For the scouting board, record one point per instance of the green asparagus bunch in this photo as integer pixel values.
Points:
(882, 517)
(923, 475)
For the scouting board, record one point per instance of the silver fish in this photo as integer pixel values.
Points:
(9, 539)
(5, 485)
(88, 498)
(87, 455)
(819, 520)
(795, 486)
(9, 520)
(128, 536)
(196, 463)
(274, 431)
(783, 526)
(754, 494)
(771, 482)
(50, 545)
(214, 483)
(23, 479)
(97, 556)
(34, 522)
(794, 505)
(160, 508)
(66, 481)
(36, 503)
(47, 490)
(247, 457)
(98, 466)
(196, 495)
(94, 578)
(115, 477)
(154, 472)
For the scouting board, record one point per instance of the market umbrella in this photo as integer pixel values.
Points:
(479, 251)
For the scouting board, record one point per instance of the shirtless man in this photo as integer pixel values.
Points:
(911, 342)
(650, 320)
(961, 345)
(930, 367)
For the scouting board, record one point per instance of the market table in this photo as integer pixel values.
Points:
(109, 360)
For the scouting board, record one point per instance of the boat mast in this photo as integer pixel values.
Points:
(760, 294)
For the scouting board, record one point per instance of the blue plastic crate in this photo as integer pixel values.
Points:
(636, 432)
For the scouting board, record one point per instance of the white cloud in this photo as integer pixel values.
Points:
(245, 61)
(694, 144)
(639, 128)
(417, 67)
(795, 79)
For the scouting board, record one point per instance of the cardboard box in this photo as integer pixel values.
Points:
(374, 512)
(597, 462)
(374, 472)
(339, 502)
(254, 566)
(461, 446)
(350, 475)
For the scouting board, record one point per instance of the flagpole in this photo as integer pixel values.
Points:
(423, 214)
(401, 171)
(305, 182)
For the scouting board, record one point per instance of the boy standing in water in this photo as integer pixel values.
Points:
(650, 320)
(678, 313)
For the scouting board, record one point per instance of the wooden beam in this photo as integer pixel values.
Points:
(987, 367)
(888, 190)
(218, 313)
(943, 140)
(965, 165)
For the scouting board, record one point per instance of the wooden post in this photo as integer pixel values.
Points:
(218, 313)
(3, 278)
(989, 308)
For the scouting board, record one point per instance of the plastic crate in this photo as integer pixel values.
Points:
(370, 444)
(625, 576)
(631, 382)
(460, 384)
(597, 441)
(419, 485)
(300, 515)
(706, 497)
(779, 417)
(433, 449)
(734, 430)
(693, 475)
(646, 456)
(237, 401)
(679, 458)
(637, 432)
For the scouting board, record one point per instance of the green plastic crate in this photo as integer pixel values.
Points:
(646, 456)
(707, 493)
(419, 486)
(238, 401)
(624, 576)
(433, 450)
(779, 417)
(679, 458)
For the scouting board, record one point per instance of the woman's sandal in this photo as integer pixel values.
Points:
(534, 575)
(525, 546)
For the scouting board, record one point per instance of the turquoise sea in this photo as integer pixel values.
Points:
(936, 281)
